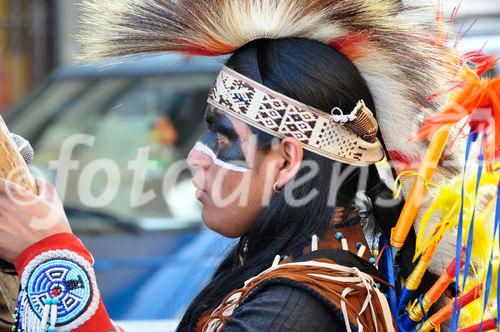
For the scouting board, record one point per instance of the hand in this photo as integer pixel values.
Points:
(26, 218)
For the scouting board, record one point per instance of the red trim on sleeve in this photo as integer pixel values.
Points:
(100, 321)
(61, 241)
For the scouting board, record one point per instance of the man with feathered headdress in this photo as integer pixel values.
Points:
(330, 86)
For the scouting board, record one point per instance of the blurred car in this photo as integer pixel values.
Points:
(151, 259)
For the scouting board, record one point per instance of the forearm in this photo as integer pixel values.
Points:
(58, 272)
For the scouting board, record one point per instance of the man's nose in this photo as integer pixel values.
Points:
(198, 159)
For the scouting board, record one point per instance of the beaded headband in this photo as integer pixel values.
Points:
(350, 138)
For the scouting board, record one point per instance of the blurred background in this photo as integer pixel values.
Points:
(158, 255)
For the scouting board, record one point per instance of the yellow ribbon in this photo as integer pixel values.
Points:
(403, 176)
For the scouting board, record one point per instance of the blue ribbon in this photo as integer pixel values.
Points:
(391, 276)
(405, 297)
(458, 253)
(468, 251)
(406, 323)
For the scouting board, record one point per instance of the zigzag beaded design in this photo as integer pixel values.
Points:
(281, 116)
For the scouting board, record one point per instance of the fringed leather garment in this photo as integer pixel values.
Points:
(347, 285)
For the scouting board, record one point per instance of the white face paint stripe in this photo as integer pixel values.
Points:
(206, 150)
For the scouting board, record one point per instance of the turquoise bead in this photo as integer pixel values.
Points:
(55, 300)
(52, 329)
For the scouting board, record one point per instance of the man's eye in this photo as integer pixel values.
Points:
(222, 140)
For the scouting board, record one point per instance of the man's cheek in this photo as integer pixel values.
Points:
(223, 183)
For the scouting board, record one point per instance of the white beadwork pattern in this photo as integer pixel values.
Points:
(281, 116)
(67, 262)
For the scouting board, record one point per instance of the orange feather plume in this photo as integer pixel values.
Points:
(477, 100)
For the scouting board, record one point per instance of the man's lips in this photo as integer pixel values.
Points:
(200, 192)
(198, 186)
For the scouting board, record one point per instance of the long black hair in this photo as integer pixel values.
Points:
(320, 76)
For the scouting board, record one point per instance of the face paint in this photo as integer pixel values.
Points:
(209, 152)
(229, 154)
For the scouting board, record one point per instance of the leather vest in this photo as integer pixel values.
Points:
(348, 285)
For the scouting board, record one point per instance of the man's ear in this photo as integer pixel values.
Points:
(292, 153)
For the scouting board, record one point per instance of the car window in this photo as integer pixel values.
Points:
(125, 117)
(77, 116)
(52, 100)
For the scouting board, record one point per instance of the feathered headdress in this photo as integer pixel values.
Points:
(391, 44)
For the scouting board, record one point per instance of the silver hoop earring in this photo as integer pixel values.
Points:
(275, 188)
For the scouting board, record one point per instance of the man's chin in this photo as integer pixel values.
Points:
(219, 226)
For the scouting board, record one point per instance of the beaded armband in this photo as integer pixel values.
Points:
(58, 293)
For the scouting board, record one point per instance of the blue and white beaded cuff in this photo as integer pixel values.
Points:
(62, 275)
